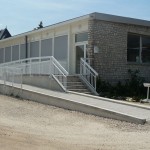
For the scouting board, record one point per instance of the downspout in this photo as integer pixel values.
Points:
(26, 51)
(26, 45)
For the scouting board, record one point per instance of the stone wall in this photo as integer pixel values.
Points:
(111, 60)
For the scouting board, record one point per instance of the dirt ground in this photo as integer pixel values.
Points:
(26, 125)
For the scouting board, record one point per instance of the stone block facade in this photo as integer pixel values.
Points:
(111, 60)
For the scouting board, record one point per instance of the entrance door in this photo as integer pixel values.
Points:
(80, 53)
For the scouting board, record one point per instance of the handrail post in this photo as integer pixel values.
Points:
(30, 67)
(13, 77)
(40, 66)
(21, 77)
(4, 76)
(95, 82)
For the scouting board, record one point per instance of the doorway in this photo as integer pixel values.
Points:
(81, 52)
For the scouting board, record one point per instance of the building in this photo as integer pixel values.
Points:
(111, 44)
(4, 33)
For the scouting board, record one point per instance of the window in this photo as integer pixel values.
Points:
(34, 49)
(145, 49)
(1, 55)
(81, 37)
(15, 52)
(7, 54)
(22, 51)
(61, 49)
(46, 47)
(133, 48)
(138, 48)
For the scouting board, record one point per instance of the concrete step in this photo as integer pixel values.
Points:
(75, 87)
(73, 80)
(80, 90)
(75, 84)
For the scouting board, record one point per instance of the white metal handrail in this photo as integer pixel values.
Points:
(88, 73)
(42, 66)
(11, 75)
(35, 60)
(61, 76)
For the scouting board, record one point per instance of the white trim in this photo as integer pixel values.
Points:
(81, 43)
(69, 47)
(84, 43)
(53, 42)
(59, 35)
(42, 39)
(84, 31)
(40, 48)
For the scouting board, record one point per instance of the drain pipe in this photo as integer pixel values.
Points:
(26, 51)
(26, 46)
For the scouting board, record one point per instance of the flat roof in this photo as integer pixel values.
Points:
(119, 19)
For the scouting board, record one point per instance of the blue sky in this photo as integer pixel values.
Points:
(24, 15)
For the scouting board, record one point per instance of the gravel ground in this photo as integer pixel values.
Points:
(26, 125)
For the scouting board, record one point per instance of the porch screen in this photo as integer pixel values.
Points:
(1, 55)
(34, 49)
(22, 51)
(46, 47)
(7, 54)
(61, 50)
(15, 52)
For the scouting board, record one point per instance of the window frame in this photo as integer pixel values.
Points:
(80, 33)
(140, 48)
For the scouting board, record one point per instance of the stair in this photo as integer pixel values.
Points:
(76, 85)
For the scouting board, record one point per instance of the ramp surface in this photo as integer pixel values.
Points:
(88, 104)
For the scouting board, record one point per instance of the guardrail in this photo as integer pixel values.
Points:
(40, 66)
(11, 76)
(88, 74)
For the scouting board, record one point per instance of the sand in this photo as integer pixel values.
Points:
(27, 125)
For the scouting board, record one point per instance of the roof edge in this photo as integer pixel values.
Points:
(69, 21)
(119, 19)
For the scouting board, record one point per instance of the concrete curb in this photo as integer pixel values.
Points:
(71, 105)
(111, 100)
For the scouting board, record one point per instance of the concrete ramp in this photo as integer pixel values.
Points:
(82, 102)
